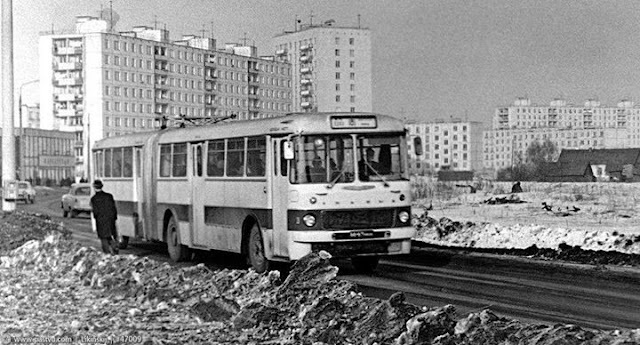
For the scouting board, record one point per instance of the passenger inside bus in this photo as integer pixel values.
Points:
(216, 167)
(317, 172)
(367, 163)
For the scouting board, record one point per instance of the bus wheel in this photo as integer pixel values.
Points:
(177, 251)
(124, 242)
(255, 251)
(65, 213)
(365, 264)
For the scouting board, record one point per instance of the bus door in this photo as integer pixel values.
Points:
(198, 233)
(137, 192)
(280, 199)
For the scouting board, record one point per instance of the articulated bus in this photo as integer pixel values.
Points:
(272, 189)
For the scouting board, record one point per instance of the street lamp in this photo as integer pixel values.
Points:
(21, 153)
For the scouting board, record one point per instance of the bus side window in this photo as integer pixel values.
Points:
(235, 157)
(107, 163)
(256, 150)
(165, 161)
(283, 161)
(117, 163)
(127, 159)
(180, 160)
(215, 158)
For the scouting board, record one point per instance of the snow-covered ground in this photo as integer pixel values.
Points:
(596, 217)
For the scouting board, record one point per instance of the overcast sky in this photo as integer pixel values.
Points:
(431, 59)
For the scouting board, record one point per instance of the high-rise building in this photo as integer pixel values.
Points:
(97, 83)
(447, 145)
(568, 126)
(331, 66)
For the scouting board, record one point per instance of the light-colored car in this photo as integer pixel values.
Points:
(77, 200)
(20, 191)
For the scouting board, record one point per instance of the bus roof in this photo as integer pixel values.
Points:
(307, 123)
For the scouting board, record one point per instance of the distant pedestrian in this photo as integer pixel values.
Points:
(516, 188)
(105, 213)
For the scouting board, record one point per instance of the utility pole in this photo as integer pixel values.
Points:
(8, 139)
(21, 141)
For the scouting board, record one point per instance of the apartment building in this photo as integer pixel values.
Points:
(447, 145)
(331, 66)
(516, 126)
(97, 83)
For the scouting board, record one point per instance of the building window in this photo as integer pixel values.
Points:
(352, 87)
(353, 109)
(352, 53)
(337, 40)
(337, 87)
(352, 64)
(353, 99)
(337, 75)
(352, 40)
(337, 52)
(337, 98)
(352, 76)
(337, 64)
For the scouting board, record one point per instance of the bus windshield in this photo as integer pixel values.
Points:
(344, 158)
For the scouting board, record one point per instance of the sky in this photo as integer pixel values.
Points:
(431, 59)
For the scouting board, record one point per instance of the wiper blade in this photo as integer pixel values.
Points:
(384, 180)
(335, 180)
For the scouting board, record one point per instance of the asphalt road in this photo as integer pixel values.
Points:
(525, 289)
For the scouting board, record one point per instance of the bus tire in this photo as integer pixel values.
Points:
(177, 251)
(124, 242)
(255, 250)
(365, 264)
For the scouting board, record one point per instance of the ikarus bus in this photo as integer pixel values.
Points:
(272, 190)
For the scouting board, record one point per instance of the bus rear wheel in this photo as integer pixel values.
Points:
(365, 264)
(255, 251)
(177, 251)
(124, 242)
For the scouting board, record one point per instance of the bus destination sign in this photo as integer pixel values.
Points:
(343, 122)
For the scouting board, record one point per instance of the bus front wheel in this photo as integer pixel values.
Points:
(177, 251)
(255, 251)
(365, 264)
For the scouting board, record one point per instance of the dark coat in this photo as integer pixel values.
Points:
(105, 213)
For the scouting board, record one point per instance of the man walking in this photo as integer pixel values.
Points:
(104, 212)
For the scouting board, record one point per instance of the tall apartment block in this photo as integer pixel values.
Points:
(331, 67)
(98, 83)
(569, 126)
(448, 145)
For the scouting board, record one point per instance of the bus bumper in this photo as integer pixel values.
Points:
(349, 243)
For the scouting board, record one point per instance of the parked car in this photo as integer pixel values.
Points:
(77, 200)
(20, 191)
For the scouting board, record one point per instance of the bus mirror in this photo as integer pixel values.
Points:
(417, 144)
(288, 150)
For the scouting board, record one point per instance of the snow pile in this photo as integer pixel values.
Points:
(56, 288)
(445, 232)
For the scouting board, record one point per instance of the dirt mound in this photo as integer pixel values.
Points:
(19, 227)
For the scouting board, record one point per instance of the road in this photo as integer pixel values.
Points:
(525, 289)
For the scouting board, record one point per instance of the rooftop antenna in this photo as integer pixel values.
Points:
(311, 18)
(212, 29)
(358, 21)
(155, 22)
(203, 30)
(295, 24)
(110, 15)
(244, 40)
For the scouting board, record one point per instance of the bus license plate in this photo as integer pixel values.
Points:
(355, 235)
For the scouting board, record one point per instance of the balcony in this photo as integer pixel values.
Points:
(305, 47)
(305, 93)
(67, 112)
(305, 70)
(305, 81)
(67, 97)
(68, 50)
(305, 58)
(67, 81)
(305, 105)
(281, 52)
(254, 82)
(67, 66)
(253, 96)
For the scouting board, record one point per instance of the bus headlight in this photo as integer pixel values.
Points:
(309, 220)
(403, 216)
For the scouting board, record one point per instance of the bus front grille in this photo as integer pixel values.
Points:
(358, 219)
